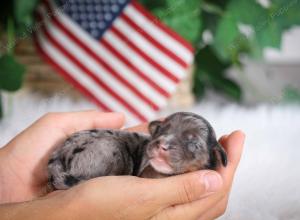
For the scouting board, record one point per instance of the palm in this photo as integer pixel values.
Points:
(28, 154)
(28, 165)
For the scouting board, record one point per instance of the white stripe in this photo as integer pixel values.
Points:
(81, 77)
(144, 23)
(99, 71)
(101, 51)
(150, 49)
(135, 79)
(131, 55)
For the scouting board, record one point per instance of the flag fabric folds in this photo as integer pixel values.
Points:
(113, 51)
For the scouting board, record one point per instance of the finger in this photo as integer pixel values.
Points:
(192, 210)
(54, 193)
(215, 212)
(223, 139)
(233, 145)
(76, 121)
(143, 128)
(186, 188)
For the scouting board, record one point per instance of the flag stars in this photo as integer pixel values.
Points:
(106, 8)
(81, 8)
(108, 16)
(75, 16)
(83, 16)
(99, 17)
(94, 16)
(98, 8)
(115, 8)
(90, 8)
(73, 8)
(95, 33)
(93, 25)
(84, 24)
(101, 25)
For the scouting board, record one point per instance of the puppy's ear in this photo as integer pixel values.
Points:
(154, 127)
(220, 154)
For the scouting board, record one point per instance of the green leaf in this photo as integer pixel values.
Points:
(153, 4)
(222, 4)
(227, 87)
(1, 106)
(285, 13)
(6, 10)
(268, 25)
(211, 8)
(199, 84)
(270, 36)
(209, 21)
(229, 41)
(23, 13)
(208, 61)
(183, 16)
(291, 94)
(11, 73)
(210, 73)
(226, 41)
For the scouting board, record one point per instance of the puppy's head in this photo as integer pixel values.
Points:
(184, 142)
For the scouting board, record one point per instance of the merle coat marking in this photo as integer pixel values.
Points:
(190, 139)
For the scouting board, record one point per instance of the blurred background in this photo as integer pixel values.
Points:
(245, 75)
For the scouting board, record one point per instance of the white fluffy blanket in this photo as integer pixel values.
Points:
(268, 179)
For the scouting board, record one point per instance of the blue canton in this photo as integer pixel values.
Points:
(94, 16)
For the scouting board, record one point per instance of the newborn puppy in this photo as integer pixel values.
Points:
(183, 142)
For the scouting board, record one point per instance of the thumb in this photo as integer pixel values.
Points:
(187, 187)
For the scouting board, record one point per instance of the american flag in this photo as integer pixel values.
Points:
(113, 51)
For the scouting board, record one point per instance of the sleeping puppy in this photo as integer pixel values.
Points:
(183, 142)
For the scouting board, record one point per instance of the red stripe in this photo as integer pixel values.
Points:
(153, 41)
(134, 68)
(106, 65)
(92, 75)
(67, 76)
(144, 55)
(162, 26)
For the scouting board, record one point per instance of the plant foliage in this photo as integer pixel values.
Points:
(223, 19)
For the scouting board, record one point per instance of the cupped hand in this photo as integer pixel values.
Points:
(23, 161)
(199, 195)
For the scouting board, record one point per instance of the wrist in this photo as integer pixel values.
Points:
(7, 176)
(3, 156)
(43, 208)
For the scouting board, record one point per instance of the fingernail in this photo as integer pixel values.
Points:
(213, 181)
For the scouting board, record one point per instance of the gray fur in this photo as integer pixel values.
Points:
(189, 140)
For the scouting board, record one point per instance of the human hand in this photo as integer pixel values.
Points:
(179, 197)
(23, 161)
